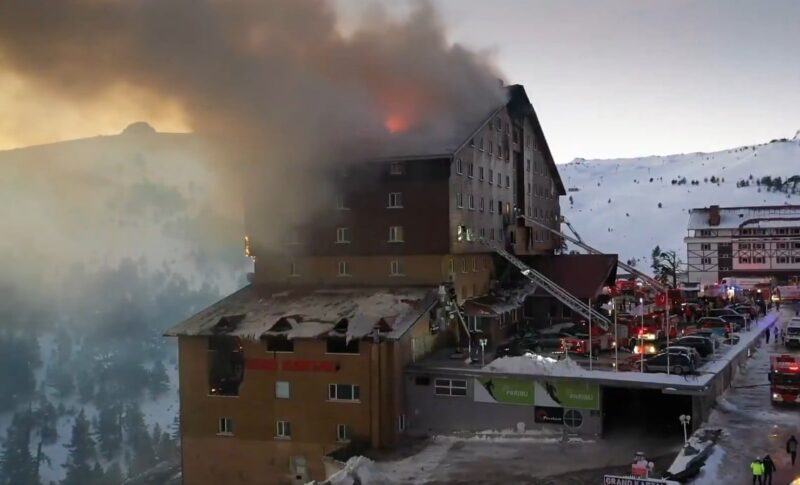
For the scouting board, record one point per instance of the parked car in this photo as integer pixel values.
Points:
(731, 316)
(677, 364)
(715, 338)
(579, 344)
(690, 352)
(717, 325)
(703, 345)
(747, 310)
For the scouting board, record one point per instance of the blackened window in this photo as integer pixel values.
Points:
(279, 344)
(339, 345)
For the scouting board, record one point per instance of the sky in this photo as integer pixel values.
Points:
(608, 78)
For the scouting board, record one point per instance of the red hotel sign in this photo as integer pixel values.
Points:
(291, 365)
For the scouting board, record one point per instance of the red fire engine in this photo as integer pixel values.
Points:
(784, 379)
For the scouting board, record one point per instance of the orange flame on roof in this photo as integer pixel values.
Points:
(396, 123)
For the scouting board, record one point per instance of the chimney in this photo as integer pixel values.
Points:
(713, 215)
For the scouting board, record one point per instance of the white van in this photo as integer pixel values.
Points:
(793, 332)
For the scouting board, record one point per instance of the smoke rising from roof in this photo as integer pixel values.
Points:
(275, 81)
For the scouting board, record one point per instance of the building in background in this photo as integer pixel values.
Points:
(743, 242)
(309, 358)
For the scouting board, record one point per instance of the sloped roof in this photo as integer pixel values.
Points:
(252, 312)
(582, 275)
(735, 217)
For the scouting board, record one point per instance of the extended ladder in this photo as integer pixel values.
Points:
(549, 286)
(655, 284)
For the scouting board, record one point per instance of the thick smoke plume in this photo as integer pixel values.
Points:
(275, 82)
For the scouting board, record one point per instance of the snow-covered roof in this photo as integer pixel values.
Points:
(735, 217)
(253, 312)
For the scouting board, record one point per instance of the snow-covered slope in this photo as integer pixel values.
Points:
(616, 205)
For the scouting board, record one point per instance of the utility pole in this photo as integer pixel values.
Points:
(616, 338)
(590, 335)
(641, 334)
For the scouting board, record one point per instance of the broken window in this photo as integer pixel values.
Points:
(461, 235)
(226, 365)
(278, 343)
(339, 345)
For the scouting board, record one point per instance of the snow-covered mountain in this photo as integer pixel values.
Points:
(628, 206)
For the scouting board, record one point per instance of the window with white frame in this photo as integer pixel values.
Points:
(450, 387)
(343, 269)
(459, 200)
(344, 392)
(491, 176)
(282, 390)
(481, 205)
(491, 206)
(396, 168)
(401, 423)
(395, 200)
(471, 170)
(341, 203)
(471, 202)
(459, 167)
(395, 233)
(225, 426)
(283, 429)
(342, 235)
(342, 433)
(396, 268)
(293, 269)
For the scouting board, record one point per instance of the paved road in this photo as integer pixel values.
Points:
(752, 425)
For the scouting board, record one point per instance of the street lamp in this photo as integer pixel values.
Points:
(483, 343)
(685, 419)
(616, 337)
(641, 334)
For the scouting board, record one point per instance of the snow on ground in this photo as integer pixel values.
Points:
(709, 475)
(632, 224)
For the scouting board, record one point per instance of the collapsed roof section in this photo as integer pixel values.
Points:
(354, 313)
(582, 275)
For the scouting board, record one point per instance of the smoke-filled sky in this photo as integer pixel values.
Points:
(608, 77)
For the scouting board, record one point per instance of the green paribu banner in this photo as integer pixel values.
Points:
(504, 390)
(568, 394)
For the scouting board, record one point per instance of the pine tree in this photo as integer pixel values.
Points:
(81, 450)
(158, 380)
(113, 474)
(139, 440)
(109, 431)
(46, 418)
(17, 465)
(655, 264)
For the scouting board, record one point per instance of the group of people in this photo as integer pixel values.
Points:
(776, 333)
(763, 468)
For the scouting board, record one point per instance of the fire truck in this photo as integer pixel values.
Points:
(784, 379)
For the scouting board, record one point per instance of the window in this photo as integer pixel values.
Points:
(491, 206)
(401, 423)
(280, 343)
(480, 173)
(499, 179)
(796, 245)
(481, 205)
(450, 387)
(283, 429)
(460, 200)
(282, 390)
(758, 245)
(342, 433)
(483, 233)
(491, 176)
(744, 246)
(395, 233)
(706, 261)
(395, 268)
(782, 259)
(471, 170)
(225, 426)
(744, 260)
(573, 418)
(529, 188)
(481, 144)
(527, 165)
(293, 269)
(471, 202)
(342, 235)
(459, 167)
(508, 181)
(474, 264)
(758, 260)
(343, 392)
(706, 232)
(341, 203)
(499, 206)
(795, 260)
(491, 234)
(783, 245)
(344, 269)
(395, 200)
(472, 142)
(705, 247)
(340, 345)
(491, 147)
(396, 168)
(463, 265)
(452, 266)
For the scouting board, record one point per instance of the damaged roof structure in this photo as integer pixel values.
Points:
(354, 313)
(583, 275)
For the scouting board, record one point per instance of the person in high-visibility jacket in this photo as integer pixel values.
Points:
(758, 471)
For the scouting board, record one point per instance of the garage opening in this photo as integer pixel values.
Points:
(643, 410)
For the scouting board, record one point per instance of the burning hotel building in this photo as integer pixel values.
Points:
(307, 361)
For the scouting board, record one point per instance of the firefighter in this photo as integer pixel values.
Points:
(791, 448)
(758, 471)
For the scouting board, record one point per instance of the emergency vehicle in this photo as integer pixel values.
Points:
(784, 379)
(787, 293)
